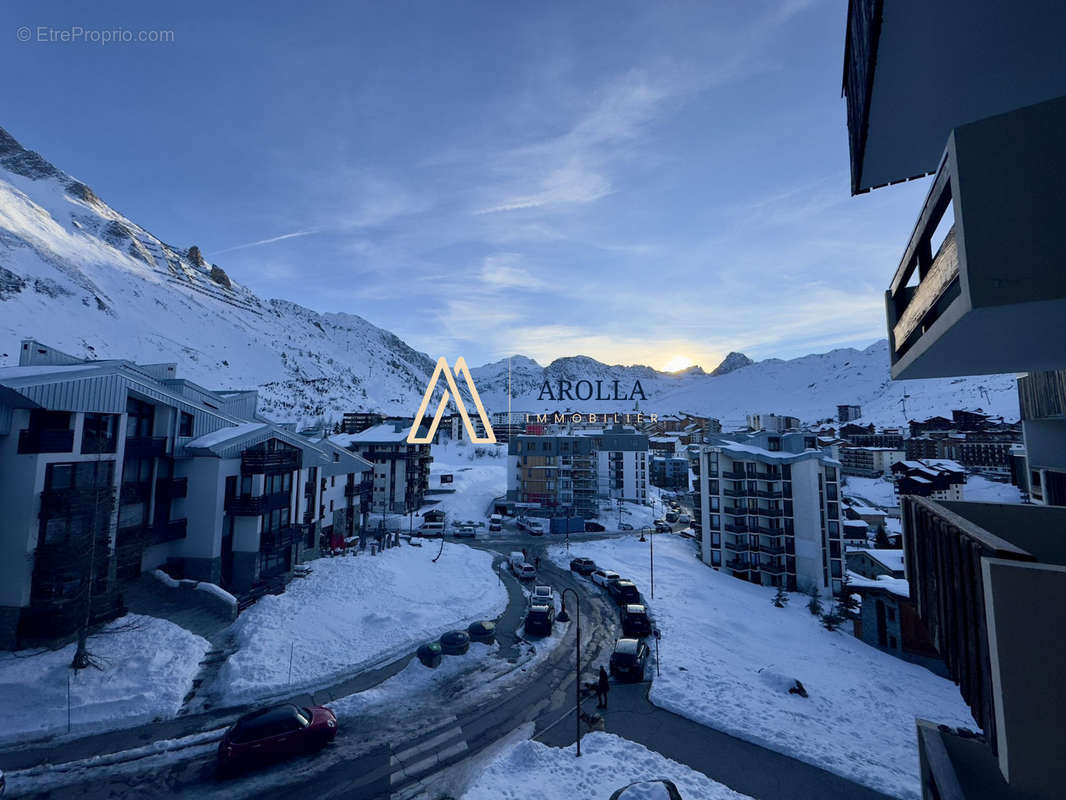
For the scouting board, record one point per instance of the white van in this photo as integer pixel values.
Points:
(495, 523)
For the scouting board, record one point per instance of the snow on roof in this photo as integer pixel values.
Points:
(628, 646)
(893, 525)
(918, 479)
(867, 511)
(893, 559)
(385, 432)
(225, 434)
(897, 586)
(855, 523)
(945, 463)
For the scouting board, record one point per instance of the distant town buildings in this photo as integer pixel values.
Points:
(775, 423)
(401, 470)
(848, 413)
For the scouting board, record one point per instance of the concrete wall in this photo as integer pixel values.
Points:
(808, 525)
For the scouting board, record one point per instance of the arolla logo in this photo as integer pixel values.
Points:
(451, 391)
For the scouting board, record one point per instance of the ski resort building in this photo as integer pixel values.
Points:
(869, 461)
(771, 517)
(109, 469)
(401, 470)
(568, 474)
(776, 423)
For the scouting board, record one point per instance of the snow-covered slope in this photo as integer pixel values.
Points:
(80, 276)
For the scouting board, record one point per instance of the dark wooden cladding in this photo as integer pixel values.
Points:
(943, 554)
(860, 57)
(1042, 394)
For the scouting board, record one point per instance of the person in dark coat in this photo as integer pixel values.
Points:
(536, 562)
(603, 686)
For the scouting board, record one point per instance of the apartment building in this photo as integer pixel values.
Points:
(357, 421)
(848, 413)
(776, 423)
(869, 462)
(401, 470)
(937, 478)
(567, 474)
(670, 472)
(111, 468)
(979, 290)
(771, 517)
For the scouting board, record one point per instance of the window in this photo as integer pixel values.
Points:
(185, 425)
(891, 615)
(835, 568)
(140, 418)
(98, 433)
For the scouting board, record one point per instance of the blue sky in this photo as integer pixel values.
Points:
(638, 182)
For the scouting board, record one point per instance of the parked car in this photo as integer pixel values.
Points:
(432, 529)
(582, 566)
(624, 526)
(515, 560)
(623, 592)
(628, 660)
(539, 619)
(603, 576)
(635, 621)
(455, 643)
(525, 572)
(465, 532)
(684, 518)
(662, 527)
(275, 732)
(658, 522)
(495, 523)
(671, 516)
(542, 593)
(593, 527)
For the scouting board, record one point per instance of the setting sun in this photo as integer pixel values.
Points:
(677, 363)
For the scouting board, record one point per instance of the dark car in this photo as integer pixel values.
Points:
(582, 566)
(662, 527)
(455, 643)
(635, 621)
(629, 659)
(623, 592)
(594, 527)
(275, 732)
(539, 620)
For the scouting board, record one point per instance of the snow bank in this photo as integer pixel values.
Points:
(350, 613)
(980, 489)
(729, 656)
(218, 592)
(477, 479)
(148, 666)
(878, 491)
(607, 763)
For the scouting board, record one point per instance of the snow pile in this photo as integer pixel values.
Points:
(147, 669)
(607, 763)
(979, 489)
(878, 492)
(352, 612)
(729, 656)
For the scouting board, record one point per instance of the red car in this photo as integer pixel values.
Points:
(274, 733)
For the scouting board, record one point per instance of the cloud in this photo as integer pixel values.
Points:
(271, 240)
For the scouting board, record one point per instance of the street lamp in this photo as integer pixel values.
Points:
(565, 617)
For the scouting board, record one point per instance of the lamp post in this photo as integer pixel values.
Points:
(565, 617)
(651, 540)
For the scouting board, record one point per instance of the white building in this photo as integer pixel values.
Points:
(110, 468)
(773, 518)
(775, 423)
(401, 470)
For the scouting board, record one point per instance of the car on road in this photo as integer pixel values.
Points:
(671, 516)
(623, 592)
(684, 518)
(495, 523)
(582, 566)
(624, 526)
(662, 527)
(542, 593)
(525, 572)
(515, 559)
(602, 577)
(628, 660)
(636, 623)
(539, 619)
(465, 532)
(455, 643)
(594, 527)
(535, 527)
(659, 521)
(273, 733)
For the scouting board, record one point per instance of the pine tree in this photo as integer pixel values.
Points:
(833, 619)
(781, 598)
(848, 603)
(814, 605)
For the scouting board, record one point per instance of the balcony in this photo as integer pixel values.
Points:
(173, 488)
(769, 495)
(139, 492)
(771, 567)
(272, 541)
(988, 580)
(735, 475)
(146, 446)
(734, 528)
(991, 297)
(907, 89)
(736, 493)
(768, 512)
(738, 566)
(772, 549)
(257, 462)
(167, 532)
(98, 445)
(246, 506)
(739, 545)
(77, 502)
(33, 441)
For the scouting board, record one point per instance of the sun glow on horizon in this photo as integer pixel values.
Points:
(676, 363)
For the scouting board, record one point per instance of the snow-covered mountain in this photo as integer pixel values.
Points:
(80, 276)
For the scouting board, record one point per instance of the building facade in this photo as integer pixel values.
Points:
(772, 518)
(401, 470)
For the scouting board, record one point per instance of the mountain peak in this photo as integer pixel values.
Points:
(731, 362)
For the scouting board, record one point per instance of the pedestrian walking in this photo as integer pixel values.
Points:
(536, 562)
(603, 686)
